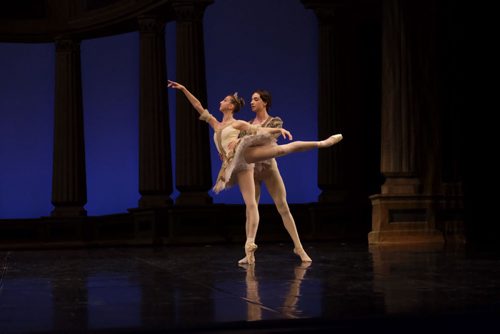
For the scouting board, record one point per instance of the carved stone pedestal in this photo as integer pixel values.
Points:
(407, 219)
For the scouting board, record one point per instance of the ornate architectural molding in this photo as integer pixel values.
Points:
(80, 19)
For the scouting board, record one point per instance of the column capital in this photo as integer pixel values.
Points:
(150, 24)
(324, 9)
(190, 10)
(66, 43)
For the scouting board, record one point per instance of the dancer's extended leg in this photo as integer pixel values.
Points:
(261, 153)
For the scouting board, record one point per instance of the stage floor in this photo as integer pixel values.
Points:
(202, 289)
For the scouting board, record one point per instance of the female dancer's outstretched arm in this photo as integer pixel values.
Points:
(195, 103)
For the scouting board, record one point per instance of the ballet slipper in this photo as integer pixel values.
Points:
(302, 254)
(332, 140)
(243, 261)
(249, 254)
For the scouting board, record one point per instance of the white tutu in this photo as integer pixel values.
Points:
(236, 162)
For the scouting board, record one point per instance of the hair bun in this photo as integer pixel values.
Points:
(239, 100)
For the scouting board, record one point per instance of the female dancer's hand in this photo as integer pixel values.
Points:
(285, 133)
(175, 85)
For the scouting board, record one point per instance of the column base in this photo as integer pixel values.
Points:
(155, 201)
(194, 198)
(69, 211)
(150, 223)
(401, 185)
(410, 219)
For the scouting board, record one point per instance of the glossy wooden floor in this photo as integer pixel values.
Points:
(201, 289)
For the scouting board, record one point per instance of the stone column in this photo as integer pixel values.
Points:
(193, 169)
(330, 162)
(407, 208)
(398, 150)
(155, 165)
(69, 185)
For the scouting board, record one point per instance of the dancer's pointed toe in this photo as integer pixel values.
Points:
(249, 258)
(337, 138)
(302, 254)
(332, 140)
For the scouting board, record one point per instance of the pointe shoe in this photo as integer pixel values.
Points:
(332, 140)
(249, 252)
(302, 254)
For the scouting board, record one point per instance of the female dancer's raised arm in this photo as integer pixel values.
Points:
(204, 114)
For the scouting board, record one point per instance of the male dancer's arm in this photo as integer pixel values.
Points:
(274, 122)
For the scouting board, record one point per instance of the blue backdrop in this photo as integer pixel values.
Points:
(249, 44)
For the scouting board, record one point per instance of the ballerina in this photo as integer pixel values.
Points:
(239, 155)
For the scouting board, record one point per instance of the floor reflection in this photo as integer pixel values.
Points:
(289, 308)
(32, 296)
(254, 306)
(140, 289)
(110, 297)
(432, 279)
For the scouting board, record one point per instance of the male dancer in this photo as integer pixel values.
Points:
(268, 172)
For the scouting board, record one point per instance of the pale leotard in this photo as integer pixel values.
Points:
(231, 149)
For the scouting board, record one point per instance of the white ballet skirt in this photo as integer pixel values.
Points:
(234, 160)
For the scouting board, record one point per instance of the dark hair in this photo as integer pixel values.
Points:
(265, 96)
(237, 101)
